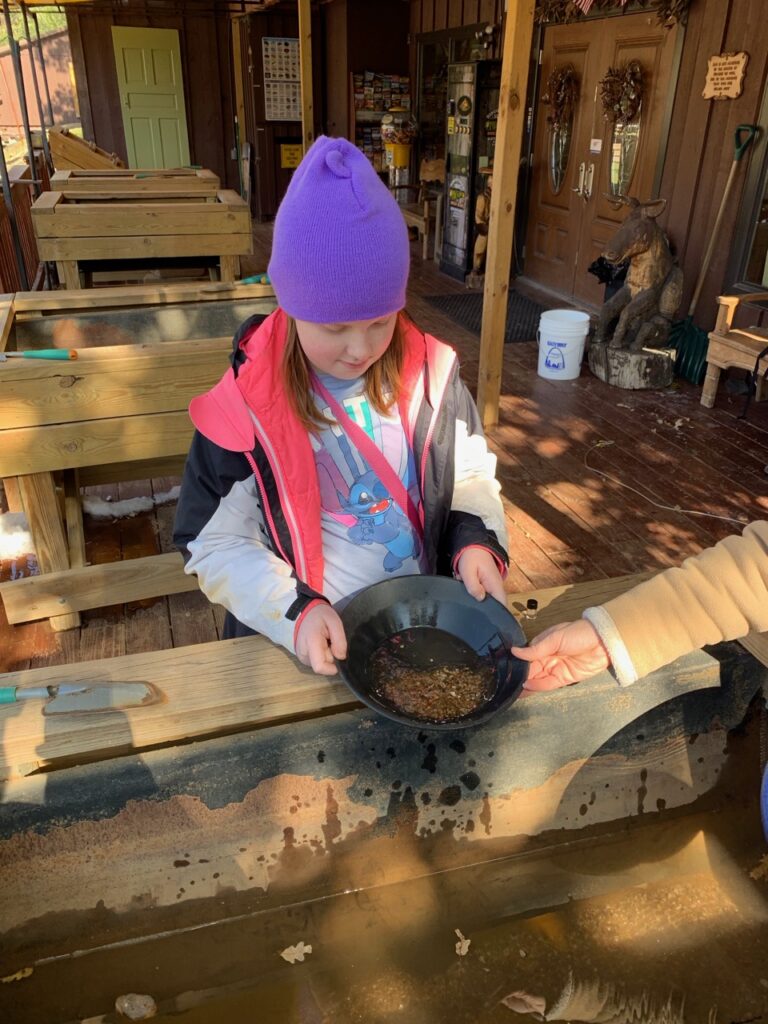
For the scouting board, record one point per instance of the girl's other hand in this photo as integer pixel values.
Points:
(320, 639)
(479, 572)
(562, 655)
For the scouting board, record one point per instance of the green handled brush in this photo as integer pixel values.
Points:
(40, 353)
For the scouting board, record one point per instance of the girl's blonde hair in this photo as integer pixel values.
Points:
(383, 380)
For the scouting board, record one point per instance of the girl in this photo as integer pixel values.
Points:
(341, 447)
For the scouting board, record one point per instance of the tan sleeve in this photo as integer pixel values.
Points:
(719, 594)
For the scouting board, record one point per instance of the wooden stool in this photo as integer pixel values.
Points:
(733, 346)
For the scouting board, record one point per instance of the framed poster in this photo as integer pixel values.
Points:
(282, 82)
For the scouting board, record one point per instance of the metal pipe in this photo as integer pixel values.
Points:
(43, 68)
(15, 55)
(8, 197)
(36, 88)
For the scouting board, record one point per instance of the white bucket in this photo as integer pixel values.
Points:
(561, 336)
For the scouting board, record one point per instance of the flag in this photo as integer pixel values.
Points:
(584, 5)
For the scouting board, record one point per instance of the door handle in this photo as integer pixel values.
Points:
(579, 189)
(590, 176)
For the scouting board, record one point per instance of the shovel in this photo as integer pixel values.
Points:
(68, 698)
(690, 340)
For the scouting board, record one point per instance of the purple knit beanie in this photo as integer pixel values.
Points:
(340, 248)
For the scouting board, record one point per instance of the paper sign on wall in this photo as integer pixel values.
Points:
(725, 76)
(290, 154)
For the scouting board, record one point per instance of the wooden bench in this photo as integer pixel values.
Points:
(75, 228)
(733, 346)
(154, 183)
(117, 412)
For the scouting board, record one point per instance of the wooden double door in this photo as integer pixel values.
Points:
(569, 225)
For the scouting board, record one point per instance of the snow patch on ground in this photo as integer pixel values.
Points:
(15, 538)
(99, 508)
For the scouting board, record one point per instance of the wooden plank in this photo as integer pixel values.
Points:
(145, 247)
(140, 295)
(73, 517)
(518, 34)
(127, 182)
(68, 272)
(70, 446)
(172, 466)
(111, 382)
(69, 151)
(42, 511)
(94, 586)
(7, 314)
(208, 688)
(567, 602)
(45, 204)
(229, 267)
(213, 688)
(305, 71)
(138, 218)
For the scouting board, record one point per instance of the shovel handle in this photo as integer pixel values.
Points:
(742, 145)
(7, 694)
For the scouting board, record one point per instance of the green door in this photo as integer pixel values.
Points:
(148, 64)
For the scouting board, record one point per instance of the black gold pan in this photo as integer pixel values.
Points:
(445, 626)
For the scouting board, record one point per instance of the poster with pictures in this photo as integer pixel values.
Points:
(282, 84)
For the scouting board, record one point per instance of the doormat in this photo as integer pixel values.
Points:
(466, 310)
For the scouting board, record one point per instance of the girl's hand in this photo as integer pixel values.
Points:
(562, 655)
(478, 571)
(320, 639)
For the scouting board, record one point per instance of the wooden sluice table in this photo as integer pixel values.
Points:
(74, 228)
(259, 793)
(117, 412)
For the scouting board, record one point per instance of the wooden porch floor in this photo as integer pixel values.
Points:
(664, 457)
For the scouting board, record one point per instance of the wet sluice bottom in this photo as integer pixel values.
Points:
(663, 923)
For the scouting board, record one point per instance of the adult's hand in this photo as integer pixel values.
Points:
(320, 639)
(563, 655)
(479, 572)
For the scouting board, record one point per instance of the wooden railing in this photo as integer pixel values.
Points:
(22, 194)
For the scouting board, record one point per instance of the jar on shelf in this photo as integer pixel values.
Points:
(398, 129)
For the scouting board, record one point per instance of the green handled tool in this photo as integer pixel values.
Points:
(61, 698)
(40, 353)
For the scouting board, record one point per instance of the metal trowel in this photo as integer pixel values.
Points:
(76, 698)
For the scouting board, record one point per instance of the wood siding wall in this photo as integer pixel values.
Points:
(700, 151)
(436, 15)
(206, 68)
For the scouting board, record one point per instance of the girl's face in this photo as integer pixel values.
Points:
(346, 351)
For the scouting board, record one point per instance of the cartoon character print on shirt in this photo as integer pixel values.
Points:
(352, 493)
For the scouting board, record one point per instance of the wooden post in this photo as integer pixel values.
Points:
(518, 35)
(41, 506)
(237, 73)
(305, 60)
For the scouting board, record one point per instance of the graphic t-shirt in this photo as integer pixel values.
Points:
(366, 536)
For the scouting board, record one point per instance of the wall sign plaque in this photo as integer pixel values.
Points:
(725, 76)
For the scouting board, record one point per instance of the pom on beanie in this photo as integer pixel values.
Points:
(340, 248)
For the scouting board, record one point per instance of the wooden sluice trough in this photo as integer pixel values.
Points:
(180, 850)
(79, 230)
(117, 412)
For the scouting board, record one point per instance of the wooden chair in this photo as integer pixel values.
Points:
(733, 346)
(428, 206)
